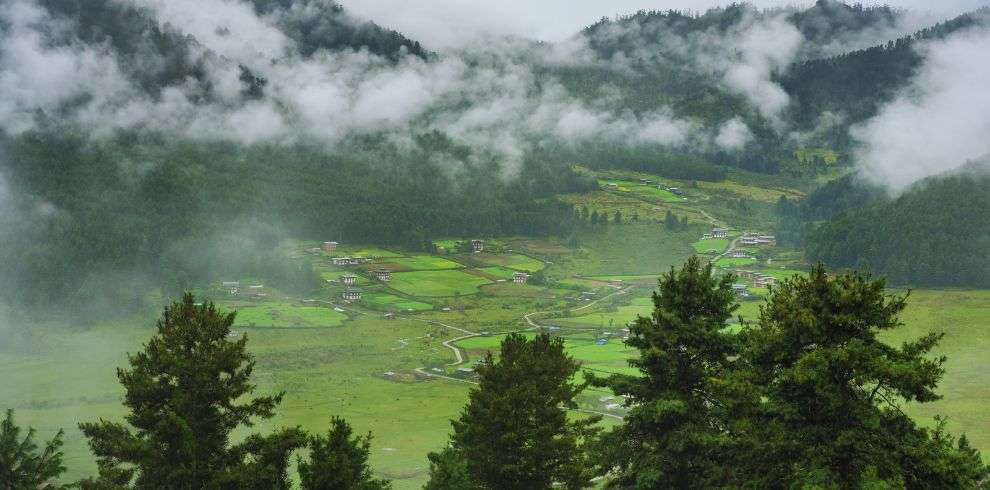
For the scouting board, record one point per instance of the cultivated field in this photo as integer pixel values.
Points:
(287, 315)
(436, 283)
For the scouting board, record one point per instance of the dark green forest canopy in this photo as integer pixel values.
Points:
(935, 234)
(175, 198)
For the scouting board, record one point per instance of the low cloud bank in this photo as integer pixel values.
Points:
(936, 124)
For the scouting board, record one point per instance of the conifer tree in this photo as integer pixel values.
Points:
(22, 465)
(339, 461)
(831, 388)
(186, 391)
(515, 431)
(675, 431)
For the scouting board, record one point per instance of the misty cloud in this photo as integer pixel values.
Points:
(733, 134)
(936, 124)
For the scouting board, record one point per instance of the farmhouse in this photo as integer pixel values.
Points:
(611, 186)
(615, 283)
(675, 191)
(383, 275)
(720, 233)
(349, 260)
(351, 294)
(232, 287)
(348, 279)
(520, 277)
(477, 246)
(739, 254)
(329, 246)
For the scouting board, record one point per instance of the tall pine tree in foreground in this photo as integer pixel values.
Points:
(515, 431)
(186, 392)
(22, 465)
(831, 390)
(675, 430)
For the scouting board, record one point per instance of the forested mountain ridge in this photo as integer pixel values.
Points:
(331, 125)
(934, 234)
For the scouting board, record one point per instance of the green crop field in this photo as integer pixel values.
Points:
(498, 272)
(512, 261)
(391, 302)
(287, 315)
(424, 263)
(650, 191)
(436, 283)
(735, 261)
(368, 252)
(717, 244)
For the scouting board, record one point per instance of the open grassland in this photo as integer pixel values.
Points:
(424, 263)
(613, 319)
(963, 317)
(391, 302)
(732, 189)
(67, 376)
(650, 191)
(717, 244)
(498, 272)
(287, 315)
(512, 261)
(436, 283)
(630, 249)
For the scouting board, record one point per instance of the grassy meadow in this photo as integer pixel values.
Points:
(436, 283)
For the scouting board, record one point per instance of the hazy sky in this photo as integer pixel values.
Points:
(441, 23)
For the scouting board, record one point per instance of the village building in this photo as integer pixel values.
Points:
(351, 294)
(232, 287)
(739, 254)
(348, 279)
(611, 186)
(389, 316)
(520, 277)
(477, 246)
(615, 283)
(720, 233)
(383, 275)
(675, 191)
(329, 246)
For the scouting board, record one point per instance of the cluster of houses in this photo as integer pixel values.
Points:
(383, 275)
(759, 279)
(757, 239)
(716, 233)
(520, 277)
(350, 260)
(477, 246)
(739, 254)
